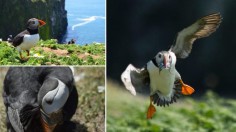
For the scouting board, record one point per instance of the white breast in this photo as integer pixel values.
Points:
(29, 41)
(162, 81)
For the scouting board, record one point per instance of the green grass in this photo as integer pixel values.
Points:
(59, 54)
(90, 111)
(91, 107)
(210, 113)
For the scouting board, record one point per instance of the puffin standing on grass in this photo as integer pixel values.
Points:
(160, 74)
(39, 99)
(29, 37)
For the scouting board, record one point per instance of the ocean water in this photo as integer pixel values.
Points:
(86, 21)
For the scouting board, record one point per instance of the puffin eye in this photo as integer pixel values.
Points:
(159, 55)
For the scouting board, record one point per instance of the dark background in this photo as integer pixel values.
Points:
(138, 29)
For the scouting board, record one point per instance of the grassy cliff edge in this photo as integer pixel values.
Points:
(50, 53)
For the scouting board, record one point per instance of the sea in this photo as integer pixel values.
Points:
(86, 21)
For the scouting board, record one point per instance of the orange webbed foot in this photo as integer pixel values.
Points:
(151, 110)
(186, 89)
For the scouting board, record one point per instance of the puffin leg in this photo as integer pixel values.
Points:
(28, 52)
(186, 89)
(151, 109)
(21, 57)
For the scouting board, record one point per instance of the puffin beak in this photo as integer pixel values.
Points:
(47, 127)
(41, 22)
(164, 61)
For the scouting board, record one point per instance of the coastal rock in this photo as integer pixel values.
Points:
(15, 13)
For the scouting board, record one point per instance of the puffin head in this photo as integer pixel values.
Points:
(34, 23)
(165, 60)
(52, 97)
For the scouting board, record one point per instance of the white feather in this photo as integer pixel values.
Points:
(162, 82)
(126, 79)
(29, 41)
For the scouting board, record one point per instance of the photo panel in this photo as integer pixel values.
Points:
(64, 32)
(42, 99)
(53, 66)
(170, 65)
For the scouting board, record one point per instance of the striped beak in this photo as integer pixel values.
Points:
(46, 127)
(49, 122)
(166, 61)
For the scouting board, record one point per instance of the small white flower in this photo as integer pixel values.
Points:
(38, 55)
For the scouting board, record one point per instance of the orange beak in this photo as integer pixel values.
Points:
(165, 61)
(47, 127)
(41, 23)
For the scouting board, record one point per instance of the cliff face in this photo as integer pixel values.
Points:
(15, 13)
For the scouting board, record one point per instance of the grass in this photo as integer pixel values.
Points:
(90, 112)
(210, 113)
(91, 109)
(50, 53)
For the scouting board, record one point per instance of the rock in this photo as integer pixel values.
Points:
(15, 13)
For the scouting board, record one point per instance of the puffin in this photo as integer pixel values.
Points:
(160, 75)
(28, 38)
(72, 41)
(39, 99)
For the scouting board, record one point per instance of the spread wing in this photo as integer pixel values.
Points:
(201, 28)
(134, 78)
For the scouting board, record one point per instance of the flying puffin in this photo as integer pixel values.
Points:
(39, 99)
(160, 74)
(29, 37)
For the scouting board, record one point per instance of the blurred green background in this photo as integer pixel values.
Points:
(207, 113)
(137, 30)
(90, 113)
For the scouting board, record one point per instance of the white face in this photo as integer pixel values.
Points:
(166, 59)
(33, 23)
(59, 95)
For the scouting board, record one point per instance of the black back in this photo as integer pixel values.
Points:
(18, 39)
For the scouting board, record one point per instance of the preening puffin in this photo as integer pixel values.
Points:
(39, 99)
(29, 37)
(160, 74)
